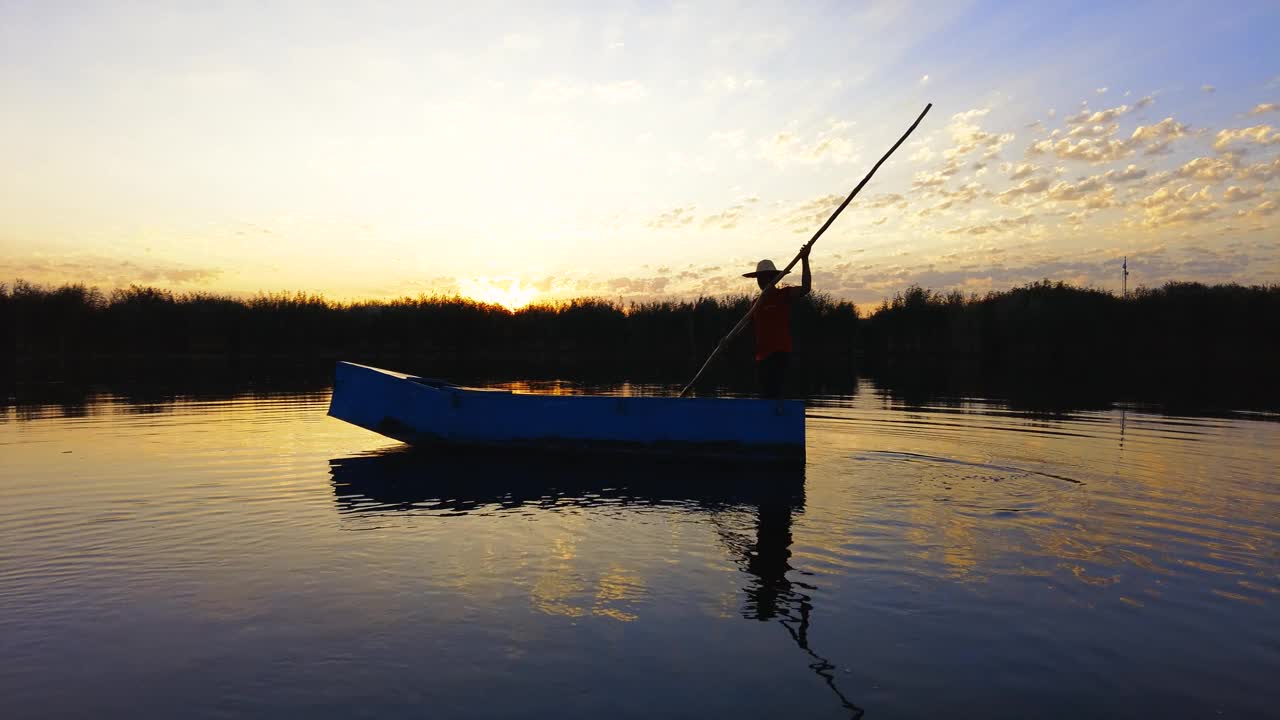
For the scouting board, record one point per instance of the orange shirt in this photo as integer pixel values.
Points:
(772, 320)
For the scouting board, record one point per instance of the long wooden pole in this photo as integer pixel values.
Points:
(743, 322)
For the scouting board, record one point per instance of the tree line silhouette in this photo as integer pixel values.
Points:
(1182, 343)
(1186, 341)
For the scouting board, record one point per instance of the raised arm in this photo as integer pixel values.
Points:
(806, 278)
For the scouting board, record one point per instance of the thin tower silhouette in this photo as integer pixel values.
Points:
(1124, 266)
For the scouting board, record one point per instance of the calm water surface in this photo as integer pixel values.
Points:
(251, 557)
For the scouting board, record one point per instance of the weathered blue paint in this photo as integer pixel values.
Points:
(425, 411)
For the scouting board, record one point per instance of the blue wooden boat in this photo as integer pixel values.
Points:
(424, 411)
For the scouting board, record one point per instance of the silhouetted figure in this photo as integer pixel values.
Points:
(772, 321)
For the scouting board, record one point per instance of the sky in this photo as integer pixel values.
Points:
(518, 152)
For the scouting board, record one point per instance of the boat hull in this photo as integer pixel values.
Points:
(428, 412)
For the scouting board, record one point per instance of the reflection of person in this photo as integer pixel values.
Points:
(771, 596)
(772, 320)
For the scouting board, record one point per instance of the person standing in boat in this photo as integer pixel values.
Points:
(772, 321)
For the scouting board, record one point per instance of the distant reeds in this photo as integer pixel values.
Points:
(1202, 344)
(442, 334)
(1199, 341)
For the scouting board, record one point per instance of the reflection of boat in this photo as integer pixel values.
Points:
(433, 412)
(410, 480)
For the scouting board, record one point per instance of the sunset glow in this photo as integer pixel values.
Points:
(635, 152)
(510, 294)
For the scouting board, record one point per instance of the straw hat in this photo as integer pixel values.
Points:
(764, 268)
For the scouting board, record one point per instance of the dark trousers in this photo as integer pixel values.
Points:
(771, 374)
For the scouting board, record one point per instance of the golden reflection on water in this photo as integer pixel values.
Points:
(241, 510)
(1190, 494)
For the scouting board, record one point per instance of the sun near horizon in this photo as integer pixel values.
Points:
(511, 294)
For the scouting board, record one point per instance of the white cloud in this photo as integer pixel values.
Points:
(1207, 168)
(1263, 171)
(732, 139)
(1173, 206)
(830, 145)
(674, 218)
(1101, 91)
(520, 42)
(924, 81)
(1087, 117)
(1236, 194)
(1020, 171)
(887, 200)
(1063, 191)
(729, 218)
(1264, 108)
(1092, 150)
(1258, 134)
(1091, 131)
(555, 90)
(1030, 186)
(1267, 207)
(729, 83)
(1208, 88)
(993, 227)
(967, 136)
(625, 91)
(1158, 137)
(810, 213)
(1131, 172)
(923, 155)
